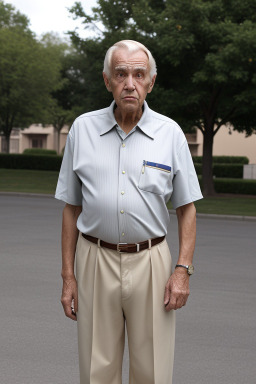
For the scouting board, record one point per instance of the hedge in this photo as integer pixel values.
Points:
(39, 151)
(53, 163)
(224, 159)
(37, 162)
(243, 187)
(233, 186)
(224, 170)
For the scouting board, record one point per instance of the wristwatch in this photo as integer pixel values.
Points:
(189, 268)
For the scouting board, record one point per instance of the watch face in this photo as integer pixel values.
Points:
(190, 269)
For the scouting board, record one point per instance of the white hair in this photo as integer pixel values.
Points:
(132, 46)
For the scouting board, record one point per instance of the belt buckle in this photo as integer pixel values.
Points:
(118, 247)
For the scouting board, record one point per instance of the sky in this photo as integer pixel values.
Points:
(51, 15)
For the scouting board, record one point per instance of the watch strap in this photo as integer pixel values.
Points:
(189, 268)
(180, 265)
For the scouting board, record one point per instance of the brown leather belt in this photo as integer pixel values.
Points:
(124, 247)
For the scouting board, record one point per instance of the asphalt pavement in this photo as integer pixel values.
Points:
(216, 331)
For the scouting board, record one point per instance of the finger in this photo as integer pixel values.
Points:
(185, 301)
(172, 304)
(75, 302)
(70, 313)
(170, 307)
(74, 307)
(180, 302)
(73, 310)
(166, 295)
(68, 309)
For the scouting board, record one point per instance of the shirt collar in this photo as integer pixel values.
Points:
(110, 121)
(144, 124)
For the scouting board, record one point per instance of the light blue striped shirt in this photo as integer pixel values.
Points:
(123, 182)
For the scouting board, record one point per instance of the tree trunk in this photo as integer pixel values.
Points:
(58, 143)
(7, 138)
(208, 186)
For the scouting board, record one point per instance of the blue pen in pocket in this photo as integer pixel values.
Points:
(161, 167)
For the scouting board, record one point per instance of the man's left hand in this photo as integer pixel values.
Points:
(176, 290)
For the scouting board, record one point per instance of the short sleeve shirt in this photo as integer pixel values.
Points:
(123, 182)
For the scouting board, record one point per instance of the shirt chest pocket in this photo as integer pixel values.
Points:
(154, 177)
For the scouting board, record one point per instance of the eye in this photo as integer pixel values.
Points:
(139, 75)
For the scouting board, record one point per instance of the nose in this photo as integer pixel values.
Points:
(129, 84)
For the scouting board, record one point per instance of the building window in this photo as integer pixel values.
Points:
(3, 145)
(37, 143)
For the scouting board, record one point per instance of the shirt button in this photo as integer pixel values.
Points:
(122, 192)
(123, 172)
(122, 211)
(123, 145)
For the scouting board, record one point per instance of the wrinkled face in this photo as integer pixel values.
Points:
(130, 79)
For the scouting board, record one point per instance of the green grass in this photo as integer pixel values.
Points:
(23, 180)
(15, 180)
(226, 205)
(235, 205)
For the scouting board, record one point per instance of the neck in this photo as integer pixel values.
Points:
(127, 120)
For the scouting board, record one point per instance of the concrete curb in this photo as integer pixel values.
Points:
(26, 194)
(171, 211)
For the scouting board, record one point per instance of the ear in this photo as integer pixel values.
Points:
(151, 85)
(107, 82)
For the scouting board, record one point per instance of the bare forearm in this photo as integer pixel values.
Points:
(69, 239)
(69, 297)
(187, 233)
(177, 287)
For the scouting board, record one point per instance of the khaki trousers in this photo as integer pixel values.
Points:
(115, 288)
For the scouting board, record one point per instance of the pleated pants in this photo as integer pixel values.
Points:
(115, 288)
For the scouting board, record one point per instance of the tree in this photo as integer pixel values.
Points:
(205, 52)
(58, 117)
(29, 72)
(58, 110)
(11, 18)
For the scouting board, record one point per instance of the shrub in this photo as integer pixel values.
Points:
(241, 186)
(18, 161)
(234, 171)
(224, 159)
(39, 151)
(224, 170)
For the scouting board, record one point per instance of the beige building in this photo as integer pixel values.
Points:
(37, 136)
(227, 142)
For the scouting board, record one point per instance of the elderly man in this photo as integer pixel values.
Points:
(121, 165)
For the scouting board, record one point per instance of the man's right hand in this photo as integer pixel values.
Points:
(69, 297)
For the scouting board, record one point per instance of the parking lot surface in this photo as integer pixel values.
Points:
(215, 340)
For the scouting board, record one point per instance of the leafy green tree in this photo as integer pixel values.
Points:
(205, 52)
(58, 117)
(29, 72)
(58, 111)
(209, 47)
(11, 18)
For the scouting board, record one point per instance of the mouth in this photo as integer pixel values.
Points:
(129, 98)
